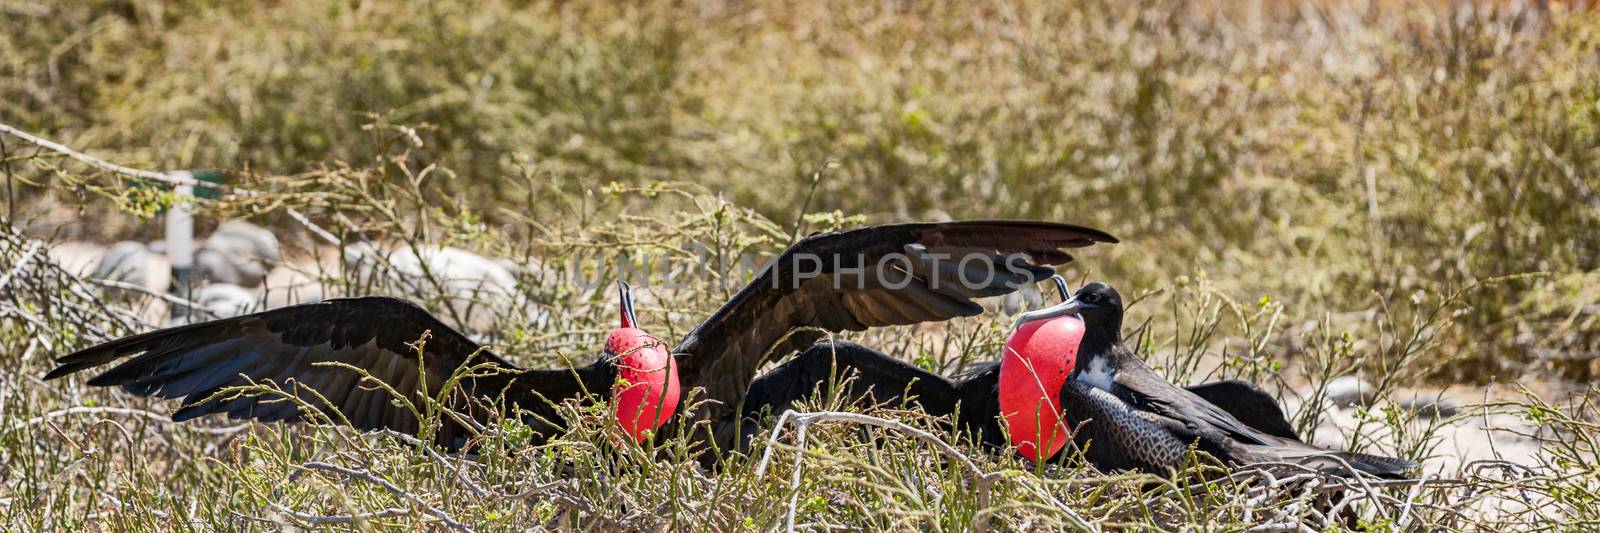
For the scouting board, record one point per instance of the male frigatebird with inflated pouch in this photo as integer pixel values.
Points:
(1127, 416)
(1016, 400)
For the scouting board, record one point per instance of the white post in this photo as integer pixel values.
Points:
(180, 240)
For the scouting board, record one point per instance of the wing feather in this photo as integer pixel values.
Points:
(284, 346)
(1142, 386)
(724, 353)
(1249, 404)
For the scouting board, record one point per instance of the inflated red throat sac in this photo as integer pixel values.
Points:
(645, 392)
(1038, 357)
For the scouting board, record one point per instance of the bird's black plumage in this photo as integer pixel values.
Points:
(872, 377)
(1131, 417)
(307, 347)
(1247, 403)
(856, 287)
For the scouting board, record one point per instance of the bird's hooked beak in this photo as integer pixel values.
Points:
(1069, 306)
(1061, 287)
(625, 293)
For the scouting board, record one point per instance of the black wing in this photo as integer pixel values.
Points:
(1247, 403)
(856, 287)
(876, 378)
(1117, 436)
(881, 378)
(1145, 390)
(292, 348)
(1187, 417)
(868, 376)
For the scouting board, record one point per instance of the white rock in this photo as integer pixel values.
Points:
(77, 257)
(290, 284)
(1348, 391)
(1430, 406)
(238, 253)
(480, 290)
(224, 300)
(133, 262)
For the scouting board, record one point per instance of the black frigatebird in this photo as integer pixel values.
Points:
(841, 281)
(1126, 416)
(1024, 385)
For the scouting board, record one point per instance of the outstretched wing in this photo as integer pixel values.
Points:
(299, 348)
(868, 277)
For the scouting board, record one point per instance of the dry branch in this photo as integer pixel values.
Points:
(984, 481)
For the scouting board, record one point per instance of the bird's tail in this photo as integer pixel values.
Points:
(1339, 463)
(1378, 465)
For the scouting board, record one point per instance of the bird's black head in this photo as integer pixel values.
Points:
(1101, 309)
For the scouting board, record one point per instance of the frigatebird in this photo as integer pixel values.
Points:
(1022, 389)
(1126, 416)
(869, 376)
(841, 281)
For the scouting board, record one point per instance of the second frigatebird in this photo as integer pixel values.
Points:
(1129, 417)
(1066, 372)
(842, 281)
(1025, 385)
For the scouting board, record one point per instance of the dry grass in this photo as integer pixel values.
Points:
(1405, 192)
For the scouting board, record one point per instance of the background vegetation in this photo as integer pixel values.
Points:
(1407, 192)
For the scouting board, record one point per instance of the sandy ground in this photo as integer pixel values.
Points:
(1475, 432)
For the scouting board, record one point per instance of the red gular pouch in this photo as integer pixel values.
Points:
(1038, 357)
(645, 392)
